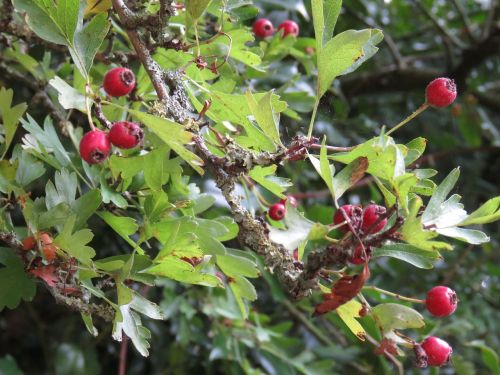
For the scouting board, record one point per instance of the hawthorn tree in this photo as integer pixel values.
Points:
(151, 179)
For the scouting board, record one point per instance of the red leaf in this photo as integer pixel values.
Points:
(47, 274)
(345, 289)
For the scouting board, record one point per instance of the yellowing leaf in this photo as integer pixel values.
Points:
(96, 6)
(348, 312)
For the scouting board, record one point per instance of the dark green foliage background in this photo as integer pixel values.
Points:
(201, 335)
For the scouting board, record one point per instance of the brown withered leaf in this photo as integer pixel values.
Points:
(345, 289)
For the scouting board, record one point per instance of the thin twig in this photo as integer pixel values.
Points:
(122, 368)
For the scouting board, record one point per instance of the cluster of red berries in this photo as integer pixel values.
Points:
(278, 210)
(41, 241)
(263, 28)
(365, 221)
(95, 146)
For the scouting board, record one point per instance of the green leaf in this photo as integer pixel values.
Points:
(395, 316)
(242, 290)
(56, 216)
(10, 116)
(123, 225)
(265, 115)
(195, 8)
(75, 243)
(325, 14)
(434, 209)
(349, 312)
(42, 142)
(324, 169)
(173, 134)
(472, 236)
(411, 254)
(344, 53)
(233, 265)
(64, 190)
(128, 321)
(155, 205)
(41, 19)
(265, 176)
(85, 206)
(489, 356)
(412, 230)
(298, 229)
(88, 40)
(179, 270)
(29, 169)
(487, 213)
(16, 285)
(349, 176)
(108, 194)
(68, 97)
(8, 366)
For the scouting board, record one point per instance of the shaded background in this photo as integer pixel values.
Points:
(423, 39)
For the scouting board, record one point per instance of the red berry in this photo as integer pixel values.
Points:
(371, 214)
(358, 257)
(289, 28)
(45, 238)
(50, 251)
(29, 243)
(441, 301)
(438, 351)
(263, 28)
(296, 255)
(291, 200)
(125, 134)
(352, 212)
(95, 146)
(441, 92)
(277, 211)
(119, 81)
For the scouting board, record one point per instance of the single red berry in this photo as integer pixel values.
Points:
(50, 252)
(358, 257)
(95, 146)
(438, 351)
(291, 200)
(371, 215)
(119, 81)
(289, 27)
(263, 28)
(441, 301)
(354, 214)
(45, 238)
(441, 92)
(29, 243)
(277, 211)
(125, 134)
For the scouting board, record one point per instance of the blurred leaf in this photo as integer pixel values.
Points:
(97, 6)
(242, 290)
(489, 356)
(418, 257)
(10, 116)
(195, 8)
(16, 285)
(265, 176)
(233, 265)
(8, 366)
(395, 316)
(76, 360)
(179, 270)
